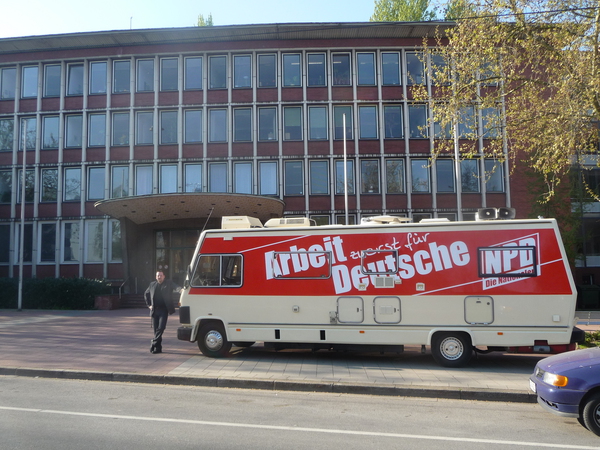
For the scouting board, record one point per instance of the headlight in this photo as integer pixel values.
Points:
(555, 380)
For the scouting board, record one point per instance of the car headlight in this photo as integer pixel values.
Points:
(555, 380)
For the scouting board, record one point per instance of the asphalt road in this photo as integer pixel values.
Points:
(68, 414)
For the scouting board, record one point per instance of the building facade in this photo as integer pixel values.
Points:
(133, 141)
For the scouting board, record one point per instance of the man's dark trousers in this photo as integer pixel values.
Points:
(159, 323)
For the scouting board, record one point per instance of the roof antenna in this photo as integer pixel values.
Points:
(131, 22)
(208, 218)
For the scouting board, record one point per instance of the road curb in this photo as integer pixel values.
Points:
(278, 385)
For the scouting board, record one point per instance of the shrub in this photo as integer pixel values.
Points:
(52, 293)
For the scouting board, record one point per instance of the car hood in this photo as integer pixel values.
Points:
(571, 360)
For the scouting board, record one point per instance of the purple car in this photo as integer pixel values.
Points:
(568, 384)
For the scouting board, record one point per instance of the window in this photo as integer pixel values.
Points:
(97, 130)
(467, 126)
(242, 178)
(71, 242)
(52, 80)
(340, 186)
(121, 76)
(338, 117)
(49, 187)
(119, 182)
(168, 178)
(29, 126)
(417, 118)
(316, 69)
(120, 129)
(96, 183)
(29, 186)
(145, 75)
(319, 177)
(27, 242)
(72, 185)
(292, 70)
(94, 249)
(193, 177)
(294, 178)
(143, 180)
(419, 169)
(340, 219)
(168, 127)
(217, 125)
(218, 270)
(366, 68)
(98, 78)
(394, 176)
(75, 79)
(74, 126)
(469, 171)
(242, 124)
(415, 69)
(390, 69)
(492, 123)
(292, 123)
(4, 243)
(321, 220)
(7, 127)
(193, 126)
(392, 116)
(494, 176)
(193, 73)
(317, 122)
(242, 71)
(50, 127)
(367, 118)
(369, 176)
(8, 81)
(115, 252)
(267, 173)
(217, 177)
(444, 169)
(5, 186)
(169, 74)
(218, 72)
(267, 70)
(47, 241)
(145, 128)
(438, 69)
(442, 130)
(267, 124)
(30, 82)
(341, 69)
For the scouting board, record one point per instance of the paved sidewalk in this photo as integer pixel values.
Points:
(114, 345)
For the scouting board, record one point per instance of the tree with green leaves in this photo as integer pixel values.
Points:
(530, 68)
(202, 22)
(402, 11)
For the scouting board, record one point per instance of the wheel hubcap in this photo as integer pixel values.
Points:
(451, 348)
(214, 340)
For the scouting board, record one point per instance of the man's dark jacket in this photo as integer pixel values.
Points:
(167, 292)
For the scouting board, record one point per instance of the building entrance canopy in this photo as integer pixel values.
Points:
(146, 209)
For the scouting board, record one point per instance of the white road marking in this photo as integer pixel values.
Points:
(301, 429)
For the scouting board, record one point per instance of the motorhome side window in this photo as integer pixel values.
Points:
(508, 261)
(379, 262)
(218, 270)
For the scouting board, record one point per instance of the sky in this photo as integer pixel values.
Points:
(42, 17)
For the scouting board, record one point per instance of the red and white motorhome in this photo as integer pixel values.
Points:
(455, 286)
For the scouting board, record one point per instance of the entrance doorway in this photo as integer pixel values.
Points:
(174, 250)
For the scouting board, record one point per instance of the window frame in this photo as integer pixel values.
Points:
(93, 78)
(73, 77)
(190, 73)
(117, 73)
(245, 68)
(73, 194)
(144, 69)
(167, 84)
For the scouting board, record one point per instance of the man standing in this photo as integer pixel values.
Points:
(159, 298)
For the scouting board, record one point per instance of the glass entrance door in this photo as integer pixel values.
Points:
(174, 250)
